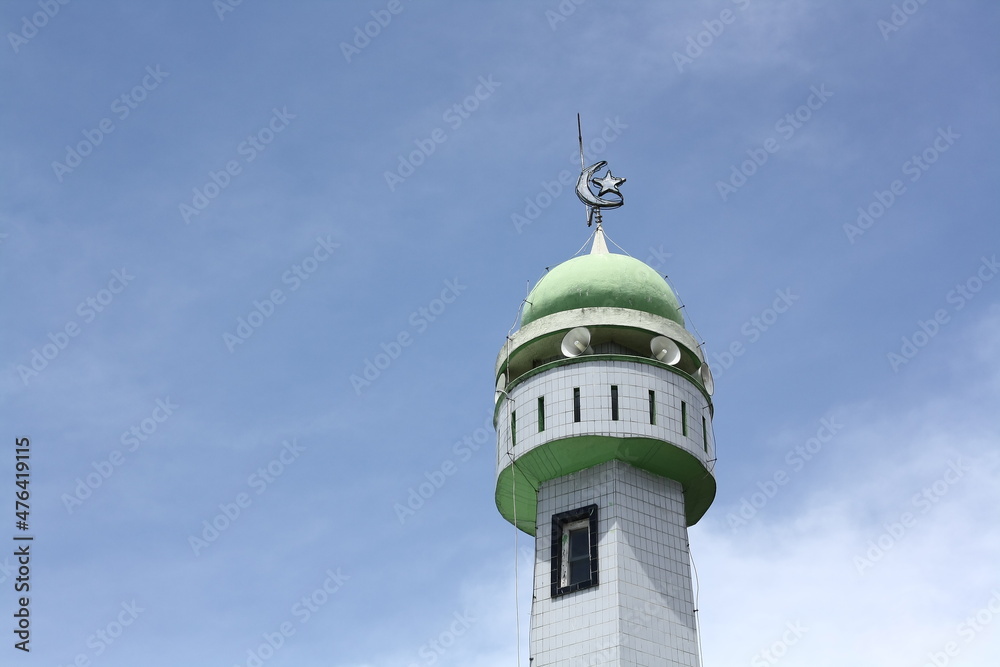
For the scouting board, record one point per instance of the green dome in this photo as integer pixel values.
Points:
(602, 280)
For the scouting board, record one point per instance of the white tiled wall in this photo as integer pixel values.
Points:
(641, 614)
(634, 380)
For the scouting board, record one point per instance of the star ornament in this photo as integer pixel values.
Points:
(609, 184)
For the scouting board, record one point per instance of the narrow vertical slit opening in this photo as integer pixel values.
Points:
(576, 404)
(614, 403)
(652, 407)
(541, 414)
(684, 418)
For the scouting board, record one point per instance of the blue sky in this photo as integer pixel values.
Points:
(173, 169)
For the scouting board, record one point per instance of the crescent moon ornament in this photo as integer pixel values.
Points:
(608, 184)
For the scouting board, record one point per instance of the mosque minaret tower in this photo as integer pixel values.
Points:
(605, 455)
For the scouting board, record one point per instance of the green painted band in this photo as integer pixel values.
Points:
(518, 483)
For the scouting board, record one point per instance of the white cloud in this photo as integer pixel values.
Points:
(885, 557)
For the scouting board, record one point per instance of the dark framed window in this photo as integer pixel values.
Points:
(541, 414)
(684, 418)
(614, 403)
(576, 404)
(704, 433)
(574, 550)
(652, 407)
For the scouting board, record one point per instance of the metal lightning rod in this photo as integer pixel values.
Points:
(583, 165)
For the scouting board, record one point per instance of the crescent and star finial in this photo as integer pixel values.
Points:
(608, 185)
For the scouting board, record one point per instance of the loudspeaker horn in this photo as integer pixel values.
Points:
(501, 384)
(706, 378)
(665, 350)
(576, 342)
